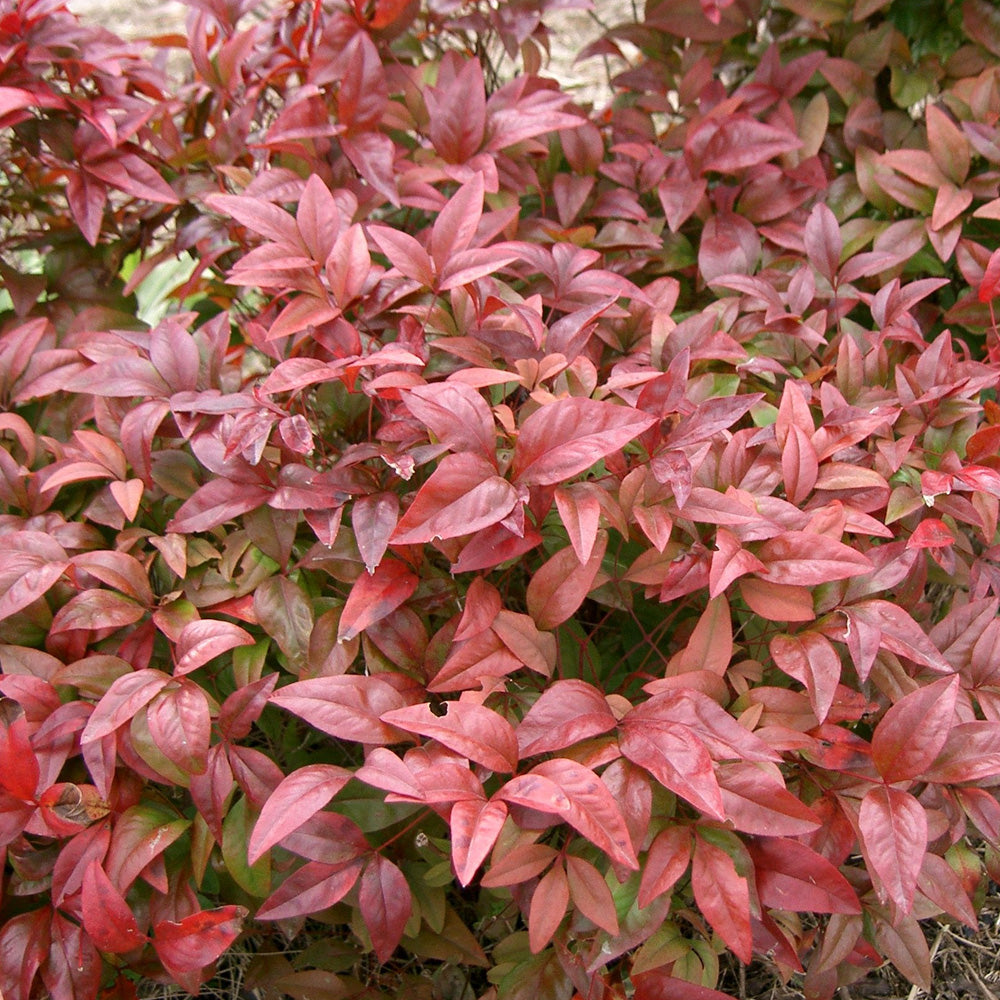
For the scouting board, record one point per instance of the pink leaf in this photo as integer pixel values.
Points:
(472, 730)
(374, 596)
(348, 707)
(299, 796)
(723, 896)
(913, 732)
(126, 696)
(202, 641)
(567, 437)
(893, 827)
(385, 901)
(463, 495)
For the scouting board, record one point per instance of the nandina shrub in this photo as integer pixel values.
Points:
(458, 542)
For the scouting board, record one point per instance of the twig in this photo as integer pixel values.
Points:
(969, 943)
(986, 992)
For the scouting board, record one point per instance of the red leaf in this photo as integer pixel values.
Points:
(456, 415)
(548, 907)
(374, 596)
(385, 901)
(96, 609)
(73, 969)
(482, 605)
(126, 696)
(458, 114)
(19, 771)
(373, 519)
(140, 836)
(24, 944)
(673, 755)
(790, 876)
(756, 801)
(299, 796)
(736, 142)
(470, 265)
(198, 940)
(802, 558)
(667, 860)
(971, 753)
(931, 533)
(520, 864)
(201, 641)
(475, 826)
(567, 712)
(457, 222)
(989, 287)
(362, 95)
(723, 896)
(913, 732)
(29, 586)
(575, 793)
(314, 887)
(657, 985)
(823, 242)
(243, 707)
(580, 511)
(591, 894)
(558, 588)
(218, 501)
(472, 730)
(463, 495)
(882, 623)
(348, 706)
(811, 659)
(902, 941)
(106, 916)
(405, 254)
(181, 726)
(893, 827)
(568, 436)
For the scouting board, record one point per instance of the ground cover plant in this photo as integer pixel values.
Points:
(460, 543)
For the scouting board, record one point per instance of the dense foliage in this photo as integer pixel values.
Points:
(458, 543)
